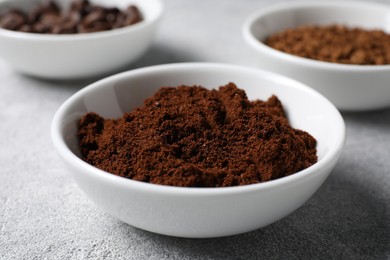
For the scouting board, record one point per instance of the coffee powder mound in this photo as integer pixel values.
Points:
(334, 43)
(194, 137)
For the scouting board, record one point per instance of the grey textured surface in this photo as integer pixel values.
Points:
(44, 215)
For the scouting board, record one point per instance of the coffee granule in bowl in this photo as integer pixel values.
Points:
(334, 43)
(81, 17)
(190, 136)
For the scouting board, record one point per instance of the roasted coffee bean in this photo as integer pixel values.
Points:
(66, 28)
(81, 17)
(72, 16)
(26, 28)
(95, 27)
(96, 8)
(41, 28)
(85, 8)
(113, 10)
(34, 15)
(46, 7)
(132, 16)
(56, 29)
(111, 15)
(94, 17)
(13, 20)
(50, 18)
(119, 21)
(78, 5)
(69, 27)
(50, 6)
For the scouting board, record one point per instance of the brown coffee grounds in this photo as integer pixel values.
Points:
(194, 137)
(81, 17)
(334, 43)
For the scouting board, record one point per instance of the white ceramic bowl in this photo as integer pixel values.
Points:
(349, 87)
(78, 55)
(199, 212)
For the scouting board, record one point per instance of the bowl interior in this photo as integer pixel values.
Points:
(352, 14)
(111, 97)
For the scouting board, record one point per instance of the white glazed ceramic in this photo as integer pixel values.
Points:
(199, 212)
(349, 87)
(78, 55)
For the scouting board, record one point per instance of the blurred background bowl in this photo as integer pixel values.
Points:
(70, 56)
(199, 212)
(349, 87)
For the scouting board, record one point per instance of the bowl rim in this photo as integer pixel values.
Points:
(261, 47)
(72, 159)
(86, 36)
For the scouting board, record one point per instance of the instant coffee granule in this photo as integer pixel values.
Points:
(334, 43)
(81, 17)
(194, 137)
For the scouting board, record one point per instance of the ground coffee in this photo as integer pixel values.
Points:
(194, 137)
(81, 17)
(334, 43)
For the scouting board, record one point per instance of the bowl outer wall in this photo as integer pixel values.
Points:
(349, 87)
(80, 55)
(194, 212)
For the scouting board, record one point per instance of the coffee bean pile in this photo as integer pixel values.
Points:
(81, 17)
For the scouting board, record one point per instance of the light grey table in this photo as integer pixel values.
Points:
(44, 215)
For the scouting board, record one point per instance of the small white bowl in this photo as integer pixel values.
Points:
(199, 212)
(71, 56)
(349, 87)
